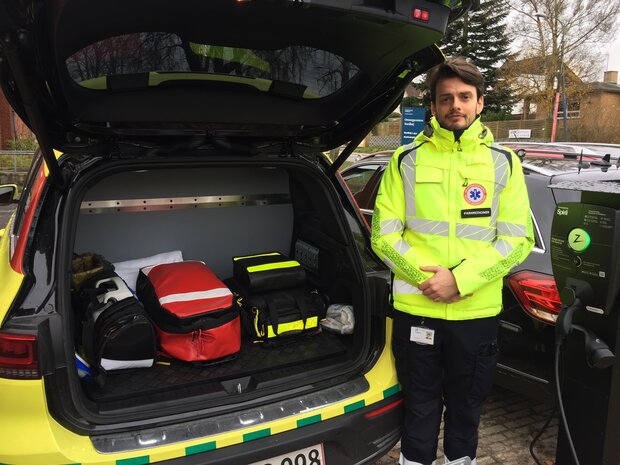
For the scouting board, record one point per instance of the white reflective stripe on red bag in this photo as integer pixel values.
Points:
(188, 288)
(187, 296)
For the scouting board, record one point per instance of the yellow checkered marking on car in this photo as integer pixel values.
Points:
(266, 432)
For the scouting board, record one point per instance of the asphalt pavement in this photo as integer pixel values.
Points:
(5, 213)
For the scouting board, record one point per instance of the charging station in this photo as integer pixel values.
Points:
(585, 254)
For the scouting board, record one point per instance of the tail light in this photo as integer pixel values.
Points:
(421, 15)
(382, 410)
(18, 356)
(537, 294)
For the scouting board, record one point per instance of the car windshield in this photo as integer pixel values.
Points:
(161, 58)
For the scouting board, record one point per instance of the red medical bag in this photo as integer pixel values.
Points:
(192, 310)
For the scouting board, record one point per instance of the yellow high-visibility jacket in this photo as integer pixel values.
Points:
(458, 204)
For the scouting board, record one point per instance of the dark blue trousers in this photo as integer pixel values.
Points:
(457, 372)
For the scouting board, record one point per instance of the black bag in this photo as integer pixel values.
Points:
(117, 333)
(268, 316)
(267, 272)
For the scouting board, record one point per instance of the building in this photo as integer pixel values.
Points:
(591, 108)
(11, 126)
(598, 111)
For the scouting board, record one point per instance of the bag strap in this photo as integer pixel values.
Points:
(303, 308)
(301, 304)
(272, 311)
(91, 295)
(88, 343)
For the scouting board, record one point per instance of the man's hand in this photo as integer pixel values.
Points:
(441, 287)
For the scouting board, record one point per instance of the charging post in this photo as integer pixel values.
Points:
(585, 254)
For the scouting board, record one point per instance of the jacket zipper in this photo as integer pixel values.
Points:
(452, 198)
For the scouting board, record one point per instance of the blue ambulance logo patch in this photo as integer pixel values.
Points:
(475, 194)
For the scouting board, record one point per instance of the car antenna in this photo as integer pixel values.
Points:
(604, 163)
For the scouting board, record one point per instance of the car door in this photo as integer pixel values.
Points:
(364, 180)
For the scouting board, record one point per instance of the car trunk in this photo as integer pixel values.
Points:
(212, 211)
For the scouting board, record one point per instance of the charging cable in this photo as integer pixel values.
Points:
(562, 328)
(540, 433)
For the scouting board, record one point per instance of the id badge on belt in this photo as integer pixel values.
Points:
(422, 335)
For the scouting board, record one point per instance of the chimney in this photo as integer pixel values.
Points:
(610, 77)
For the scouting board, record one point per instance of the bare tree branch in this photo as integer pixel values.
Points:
(557, 43)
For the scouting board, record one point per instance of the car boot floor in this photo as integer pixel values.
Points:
(170, 379)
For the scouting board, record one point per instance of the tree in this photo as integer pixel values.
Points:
(558, 46)
(482, 36)
(411, 101)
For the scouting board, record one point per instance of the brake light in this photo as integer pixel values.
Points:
(537, 294)
(420, 14)
(18, 356)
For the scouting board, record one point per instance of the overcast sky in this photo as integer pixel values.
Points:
(611, 53)
(614, 55)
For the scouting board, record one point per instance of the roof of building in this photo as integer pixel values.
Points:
(606, 87)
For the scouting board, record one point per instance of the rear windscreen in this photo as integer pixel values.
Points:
(159, 58)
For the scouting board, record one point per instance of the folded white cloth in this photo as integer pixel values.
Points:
(129, 269)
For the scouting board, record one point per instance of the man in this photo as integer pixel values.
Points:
(451, 218)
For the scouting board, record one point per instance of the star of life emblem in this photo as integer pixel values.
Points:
(475, 194)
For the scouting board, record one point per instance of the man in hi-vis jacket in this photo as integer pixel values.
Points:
(452, 217)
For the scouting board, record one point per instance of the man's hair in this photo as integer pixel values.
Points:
(458, 67)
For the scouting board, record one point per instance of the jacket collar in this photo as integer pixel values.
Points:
(477, 133)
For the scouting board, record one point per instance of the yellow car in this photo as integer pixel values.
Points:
(198, 127)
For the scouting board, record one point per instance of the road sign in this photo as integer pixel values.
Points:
(519, 133)
(413, 123)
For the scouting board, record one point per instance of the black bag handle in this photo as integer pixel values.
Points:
(303, 309)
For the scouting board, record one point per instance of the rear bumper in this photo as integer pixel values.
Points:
(354, 430)
(360, 434)
(349, 439)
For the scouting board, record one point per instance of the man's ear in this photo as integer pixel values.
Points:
(480, 104)
(433, 112)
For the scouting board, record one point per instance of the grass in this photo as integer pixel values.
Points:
(18, 162)
(372, 149)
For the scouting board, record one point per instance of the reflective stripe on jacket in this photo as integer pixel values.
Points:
(456, 204)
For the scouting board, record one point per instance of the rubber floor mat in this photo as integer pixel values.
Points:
(176, 379)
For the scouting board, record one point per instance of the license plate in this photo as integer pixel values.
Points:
(312, 455)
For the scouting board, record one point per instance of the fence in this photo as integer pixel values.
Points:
(387, 134)
(540, 129)
(15, 160)
(387, 141)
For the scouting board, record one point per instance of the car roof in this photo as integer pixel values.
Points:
(552, 149)
(547, 164)
(382, 156)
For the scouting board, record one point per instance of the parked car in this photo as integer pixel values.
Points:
(530, 298)
(554, 149)
(605, 148)
(199, 127)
